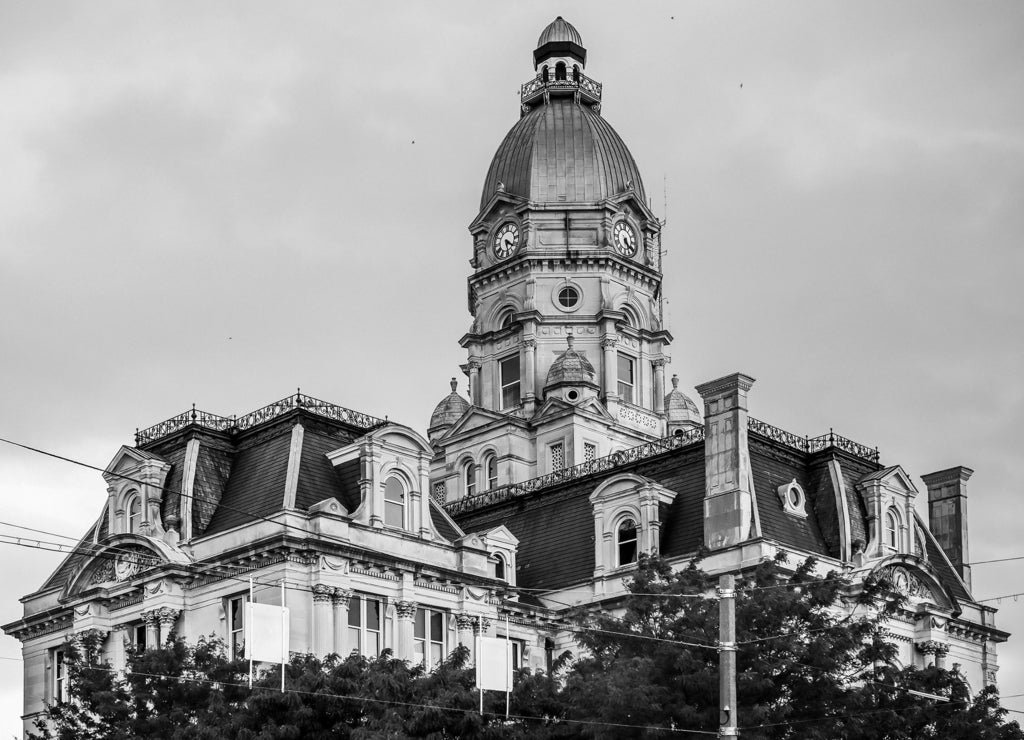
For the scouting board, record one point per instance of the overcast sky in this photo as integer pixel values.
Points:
(220, 202)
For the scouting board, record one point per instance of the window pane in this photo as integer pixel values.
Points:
(509, 371)
(372, 614)
(355, 611)
(436, 625)
(353, 640)
(418, 651)
(394, 514)
(436, 654)
(393, 490)
(373, 644)
(421, 623)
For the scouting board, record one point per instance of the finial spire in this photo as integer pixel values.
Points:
(569, 340)
(675, 381)
(455, 385)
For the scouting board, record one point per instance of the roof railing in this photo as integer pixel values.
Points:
(587, 88)
(682, 438)
(812, 444)
(233, 424)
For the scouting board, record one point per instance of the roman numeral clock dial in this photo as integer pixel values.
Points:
(506, 241)
(625, 239)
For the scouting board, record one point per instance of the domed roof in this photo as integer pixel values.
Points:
(559, 30)
(570, 367)
(450, 410)
(678, 406)
(562, 152)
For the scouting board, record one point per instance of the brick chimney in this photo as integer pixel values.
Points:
(728, 503)
(947, 514)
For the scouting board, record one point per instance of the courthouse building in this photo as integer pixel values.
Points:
(573, 451)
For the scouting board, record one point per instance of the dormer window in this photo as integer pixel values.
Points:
(499, 566)
(133, 514)
(892, 529)
(394, 503)
(627, 541)
(793, 499)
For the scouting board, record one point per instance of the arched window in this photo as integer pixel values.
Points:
(505, 320)
(499, 566)
(575, 73)
(491, 471)
(544, 73)
(133, 514)
(892, 529)
(560, 71)
(469, 478)
(394, 503)
(626, 541)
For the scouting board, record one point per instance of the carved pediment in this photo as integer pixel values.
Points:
(915, 584)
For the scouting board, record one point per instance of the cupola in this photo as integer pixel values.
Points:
(447, 412)
(680, 410)
(571, 376)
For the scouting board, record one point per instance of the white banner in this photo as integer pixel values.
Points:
(494, 664)
(267, 638)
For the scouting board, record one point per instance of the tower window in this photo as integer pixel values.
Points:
(589, 452)
(557, 456)
(626, 380)
(469, 479)
(544, 73)
(491, 471)
(394, 503)
(509, 371)
(560, 71)
(626, 540)
(575, 73)
(568, 297)
(499, 566)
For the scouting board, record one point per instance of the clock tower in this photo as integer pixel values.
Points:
(567, 348)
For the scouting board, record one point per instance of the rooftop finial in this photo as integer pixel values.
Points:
(569, 340)
(675, 381)
(455, 385)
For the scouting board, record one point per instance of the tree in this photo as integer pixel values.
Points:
(809, 666)
(813, 657)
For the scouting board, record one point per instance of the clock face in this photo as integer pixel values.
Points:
(625, 239)
(506, 241)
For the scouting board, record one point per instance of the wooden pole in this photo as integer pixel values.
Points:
(727, 656)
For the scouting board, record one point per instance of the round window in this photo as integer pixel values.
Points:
(572, 395)
(568, 297)
(794, 497)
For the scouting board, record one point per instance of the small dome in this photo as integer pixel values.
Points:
(570, 367)
(559, 30)
(450, 410)
(679, 406)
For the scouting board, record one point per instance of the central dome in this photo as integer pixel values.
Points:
(562, 152)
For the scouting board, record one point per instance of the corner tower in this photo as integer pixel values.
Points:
(566, 263)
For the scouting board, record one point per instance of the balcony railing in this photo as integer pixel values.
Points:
(206, 420)
(600, 465)
(588, 89)
(812, 444)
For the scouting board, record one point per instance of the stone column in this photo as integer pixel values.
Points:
(340, 601)
(323, 620)
(934, 648)
(152, 629)
(465, 624)
(406, 612)
(166, 616)
(119, 646)
(474, 381)
(659, 385)
(529, 374)
(728, 500)
(611, 366)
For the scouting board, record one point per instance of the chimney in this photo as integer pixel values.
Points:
(947, 515)
(728, 503)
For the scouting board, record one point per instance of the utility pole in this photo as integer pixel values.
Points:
(727, 656)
